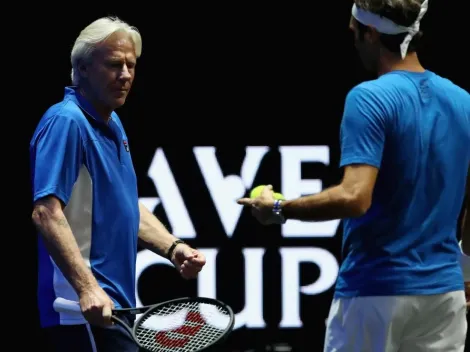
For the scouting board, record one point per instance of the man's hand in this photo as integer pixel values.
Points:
(262, 206)
(96, 306)
(188, 261)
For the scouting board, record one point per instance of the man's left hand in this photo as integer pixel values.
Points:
(188, 261)
(262, 206)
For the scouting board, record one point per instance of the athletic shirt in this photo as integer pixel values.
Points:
(415, 128)
(86, 163)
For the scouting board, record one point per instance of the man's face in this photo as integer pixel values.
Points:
(368, 46)
(110, 72)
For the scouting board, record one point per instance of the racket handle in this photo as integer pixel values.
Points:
(66, 306)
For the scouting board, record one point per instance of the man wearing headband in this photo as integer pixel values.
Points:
(405, 150)
(400, 287)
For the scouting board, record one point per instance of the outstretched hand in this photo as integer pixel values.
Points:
(262, 206)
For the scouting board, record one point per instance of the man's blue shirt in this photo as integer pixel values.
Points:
(415, 128)
(86, 163)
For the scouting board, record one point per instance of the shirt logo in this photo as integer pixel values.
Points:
(126, 145)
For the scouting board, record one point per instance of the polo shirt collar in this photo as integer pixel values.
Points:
(72, 93)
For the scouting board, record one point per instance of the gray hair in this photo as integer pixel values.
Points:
(95, 33)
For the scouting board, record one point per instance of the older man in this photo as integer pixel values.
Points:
(86, 206)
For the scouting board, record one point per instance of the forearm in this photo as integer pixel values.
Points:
(153, 235)
(62, 247)
(332, 203)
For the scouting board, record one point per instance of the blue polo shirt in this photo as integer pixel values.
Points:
(415, 128)
(87, 164)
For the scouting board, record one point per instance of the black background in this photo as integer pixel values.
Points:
(226, 75)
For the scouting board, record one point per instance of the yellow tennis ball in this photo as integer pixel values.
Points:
(256, 192)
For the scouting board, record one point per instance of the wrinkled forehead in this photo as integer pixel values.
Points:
(119, 44)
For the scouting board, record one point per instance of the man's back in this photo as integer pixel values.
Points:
(406, 242)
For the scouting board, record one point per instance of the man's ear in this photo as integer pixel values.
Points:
(83, 69)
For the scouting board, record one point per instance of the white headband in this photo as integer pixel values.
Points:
(386, 26)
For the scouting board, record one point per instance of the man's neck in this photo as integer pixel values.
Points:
(390, 62)
(103, 112)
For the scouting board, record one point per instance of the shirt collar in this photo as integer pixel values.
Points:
(72, 93)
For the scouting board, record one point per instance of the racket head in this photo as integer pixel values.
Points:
(189, 324)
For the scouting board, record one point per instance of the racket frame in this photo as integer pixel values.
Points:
(147, 310)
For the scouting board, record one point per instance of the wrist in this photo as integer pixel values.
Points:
(171, 249)
(278, 211)
(88, 286)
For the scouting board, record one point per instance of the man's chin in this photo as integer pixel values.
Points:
(117, 103)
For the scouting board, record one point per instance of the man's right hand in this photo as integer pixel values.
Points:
(96, 306)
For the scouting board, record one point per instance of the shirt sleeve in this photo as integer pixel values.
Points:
(362, 135)
(56, 158)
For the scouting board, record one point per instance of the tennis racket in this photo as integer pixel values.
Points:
(179, 325)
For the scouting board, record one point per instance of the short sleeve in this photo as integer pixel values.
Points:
(56, 158)
(362, 135)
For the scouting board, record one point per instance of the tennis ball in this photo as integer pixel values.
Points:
(256, 192)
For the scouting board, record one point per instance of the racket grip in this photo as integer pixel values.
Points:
(66, 306)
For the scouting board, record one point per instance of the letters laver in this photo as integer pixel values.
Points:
(223, 191)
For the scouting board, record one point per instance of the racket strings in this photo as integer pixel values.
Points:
(185, 327)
